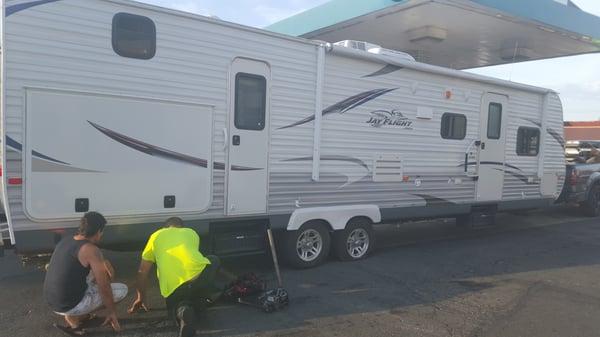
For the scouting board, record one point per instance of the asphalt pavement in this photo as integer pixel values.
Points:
(533, 274)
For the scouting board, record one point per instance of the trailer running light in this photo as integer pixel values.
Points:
(15, 181)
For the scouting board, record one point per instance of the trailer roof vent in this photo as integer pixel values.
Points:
(359, 45)
(391, 53)
(373, 49)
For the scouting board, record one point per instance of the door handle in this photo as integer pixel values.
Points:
(225, 139)
(483, 146)
(236, 140)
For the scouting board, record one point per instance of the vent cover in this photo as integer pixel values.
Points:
(388, 167)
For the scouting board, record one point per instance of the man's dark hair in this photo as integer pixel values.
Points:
(91, 223)
(174, 222)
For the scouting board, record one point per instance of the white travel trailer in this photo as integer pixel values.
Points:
(143, 113)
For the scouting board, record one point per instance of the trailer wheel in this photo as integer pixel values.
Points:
(308, 246)
(355, 242)
(591, 207)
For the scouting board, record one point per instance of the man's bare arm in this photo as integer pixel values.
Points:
(141, 284)
(92, 256)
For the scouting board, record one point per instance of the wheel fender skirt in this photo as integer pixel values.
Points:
(336, 216)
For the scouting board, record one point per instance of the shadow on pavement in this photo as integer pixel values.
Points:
(419, 264)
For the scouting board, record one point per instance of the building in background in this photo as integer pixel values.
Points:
(582, 131)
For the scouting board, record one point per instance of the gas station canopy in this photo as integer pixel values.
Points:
(458, 34)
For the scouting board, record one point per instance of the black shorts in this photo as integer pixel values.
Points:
(195, 292)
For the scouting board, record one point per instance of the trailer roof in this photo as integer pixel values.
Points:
(458, 34)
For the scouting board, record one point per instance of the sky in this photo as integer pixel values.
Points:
(576, 78)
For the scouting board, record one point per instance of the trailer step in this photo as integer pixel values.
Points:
(481, 216)
(4, 231)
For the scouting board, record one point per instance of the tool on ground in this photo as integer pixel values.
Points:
(250, 290)
(274, 255)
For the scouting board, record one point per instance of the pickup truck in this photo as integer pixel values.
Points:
(582, 186)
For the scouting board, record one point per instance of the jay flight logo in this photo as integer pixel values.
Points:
(394, 118)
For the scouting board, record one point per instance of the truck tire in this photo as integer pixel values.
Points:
(591, 207)
(355, 242)
(308, 246)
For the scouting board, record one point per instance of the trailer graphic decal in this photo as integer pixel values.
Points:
(153, 150)
(388, 69)
(490, 163)
(434, 201)
(345, 105)
(550, 131)
(352, 173)
(10, 10)
(332, 158)
(43, 163)
(517, 175)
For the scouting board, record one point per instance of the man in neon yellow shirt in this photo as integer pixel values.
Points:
(184, 274)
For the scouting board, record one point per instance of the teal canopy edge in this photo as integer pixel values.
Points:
(548, 12)
(329, 14)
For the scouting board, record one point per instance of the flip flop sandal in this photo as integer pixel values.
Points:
(92, 321)
(68, 331)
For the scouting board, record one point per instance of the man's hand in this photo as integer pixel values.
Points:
(113, 321)
(137, 305)
(142, 278)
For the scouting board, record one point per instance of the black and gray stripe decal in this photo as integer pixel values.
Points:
(345, 105)
(550, 131)
(10, 10)
(18, 147)
(332, 158)
(388, 69)
(43, 163)
(160, 152)
(517, 175)
(491, 163)
(434, 201)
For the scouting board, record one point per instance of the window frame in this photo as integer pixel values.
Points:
(117, 18)
(520, 143)
(499, 122)
(453, 115)
(236, 100)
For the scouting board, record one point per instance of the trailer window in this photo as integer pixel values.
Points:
(528, 141)
(250, 101)
(494, 121)
(134, 36)
(454, 126)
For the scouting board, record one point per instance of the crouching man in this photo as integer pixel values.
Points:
(78, 278)
(185, 276)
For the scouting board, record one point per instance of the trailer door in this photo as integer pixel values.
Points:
(248, 137)
(494, 116)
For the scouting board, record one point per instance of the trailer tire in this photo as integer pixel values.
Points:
(360, 232)
(308, 246)
(591, 207)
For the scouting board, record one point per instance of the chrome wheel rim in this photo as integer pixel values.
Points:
(309, 245)
(357, 244)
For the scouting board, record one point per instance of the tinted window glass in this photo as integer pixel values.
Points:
(454, 126)
(494, 121)
(528, 141)
(250, 101)
(134, 36)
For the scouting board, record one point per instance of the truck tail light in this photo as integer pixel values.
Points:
(573, 178)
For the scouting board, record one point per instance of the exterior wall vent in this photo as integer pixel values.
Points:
(388, 167)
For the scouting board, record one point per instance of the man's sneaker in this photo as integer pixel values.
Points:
(187, 321)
